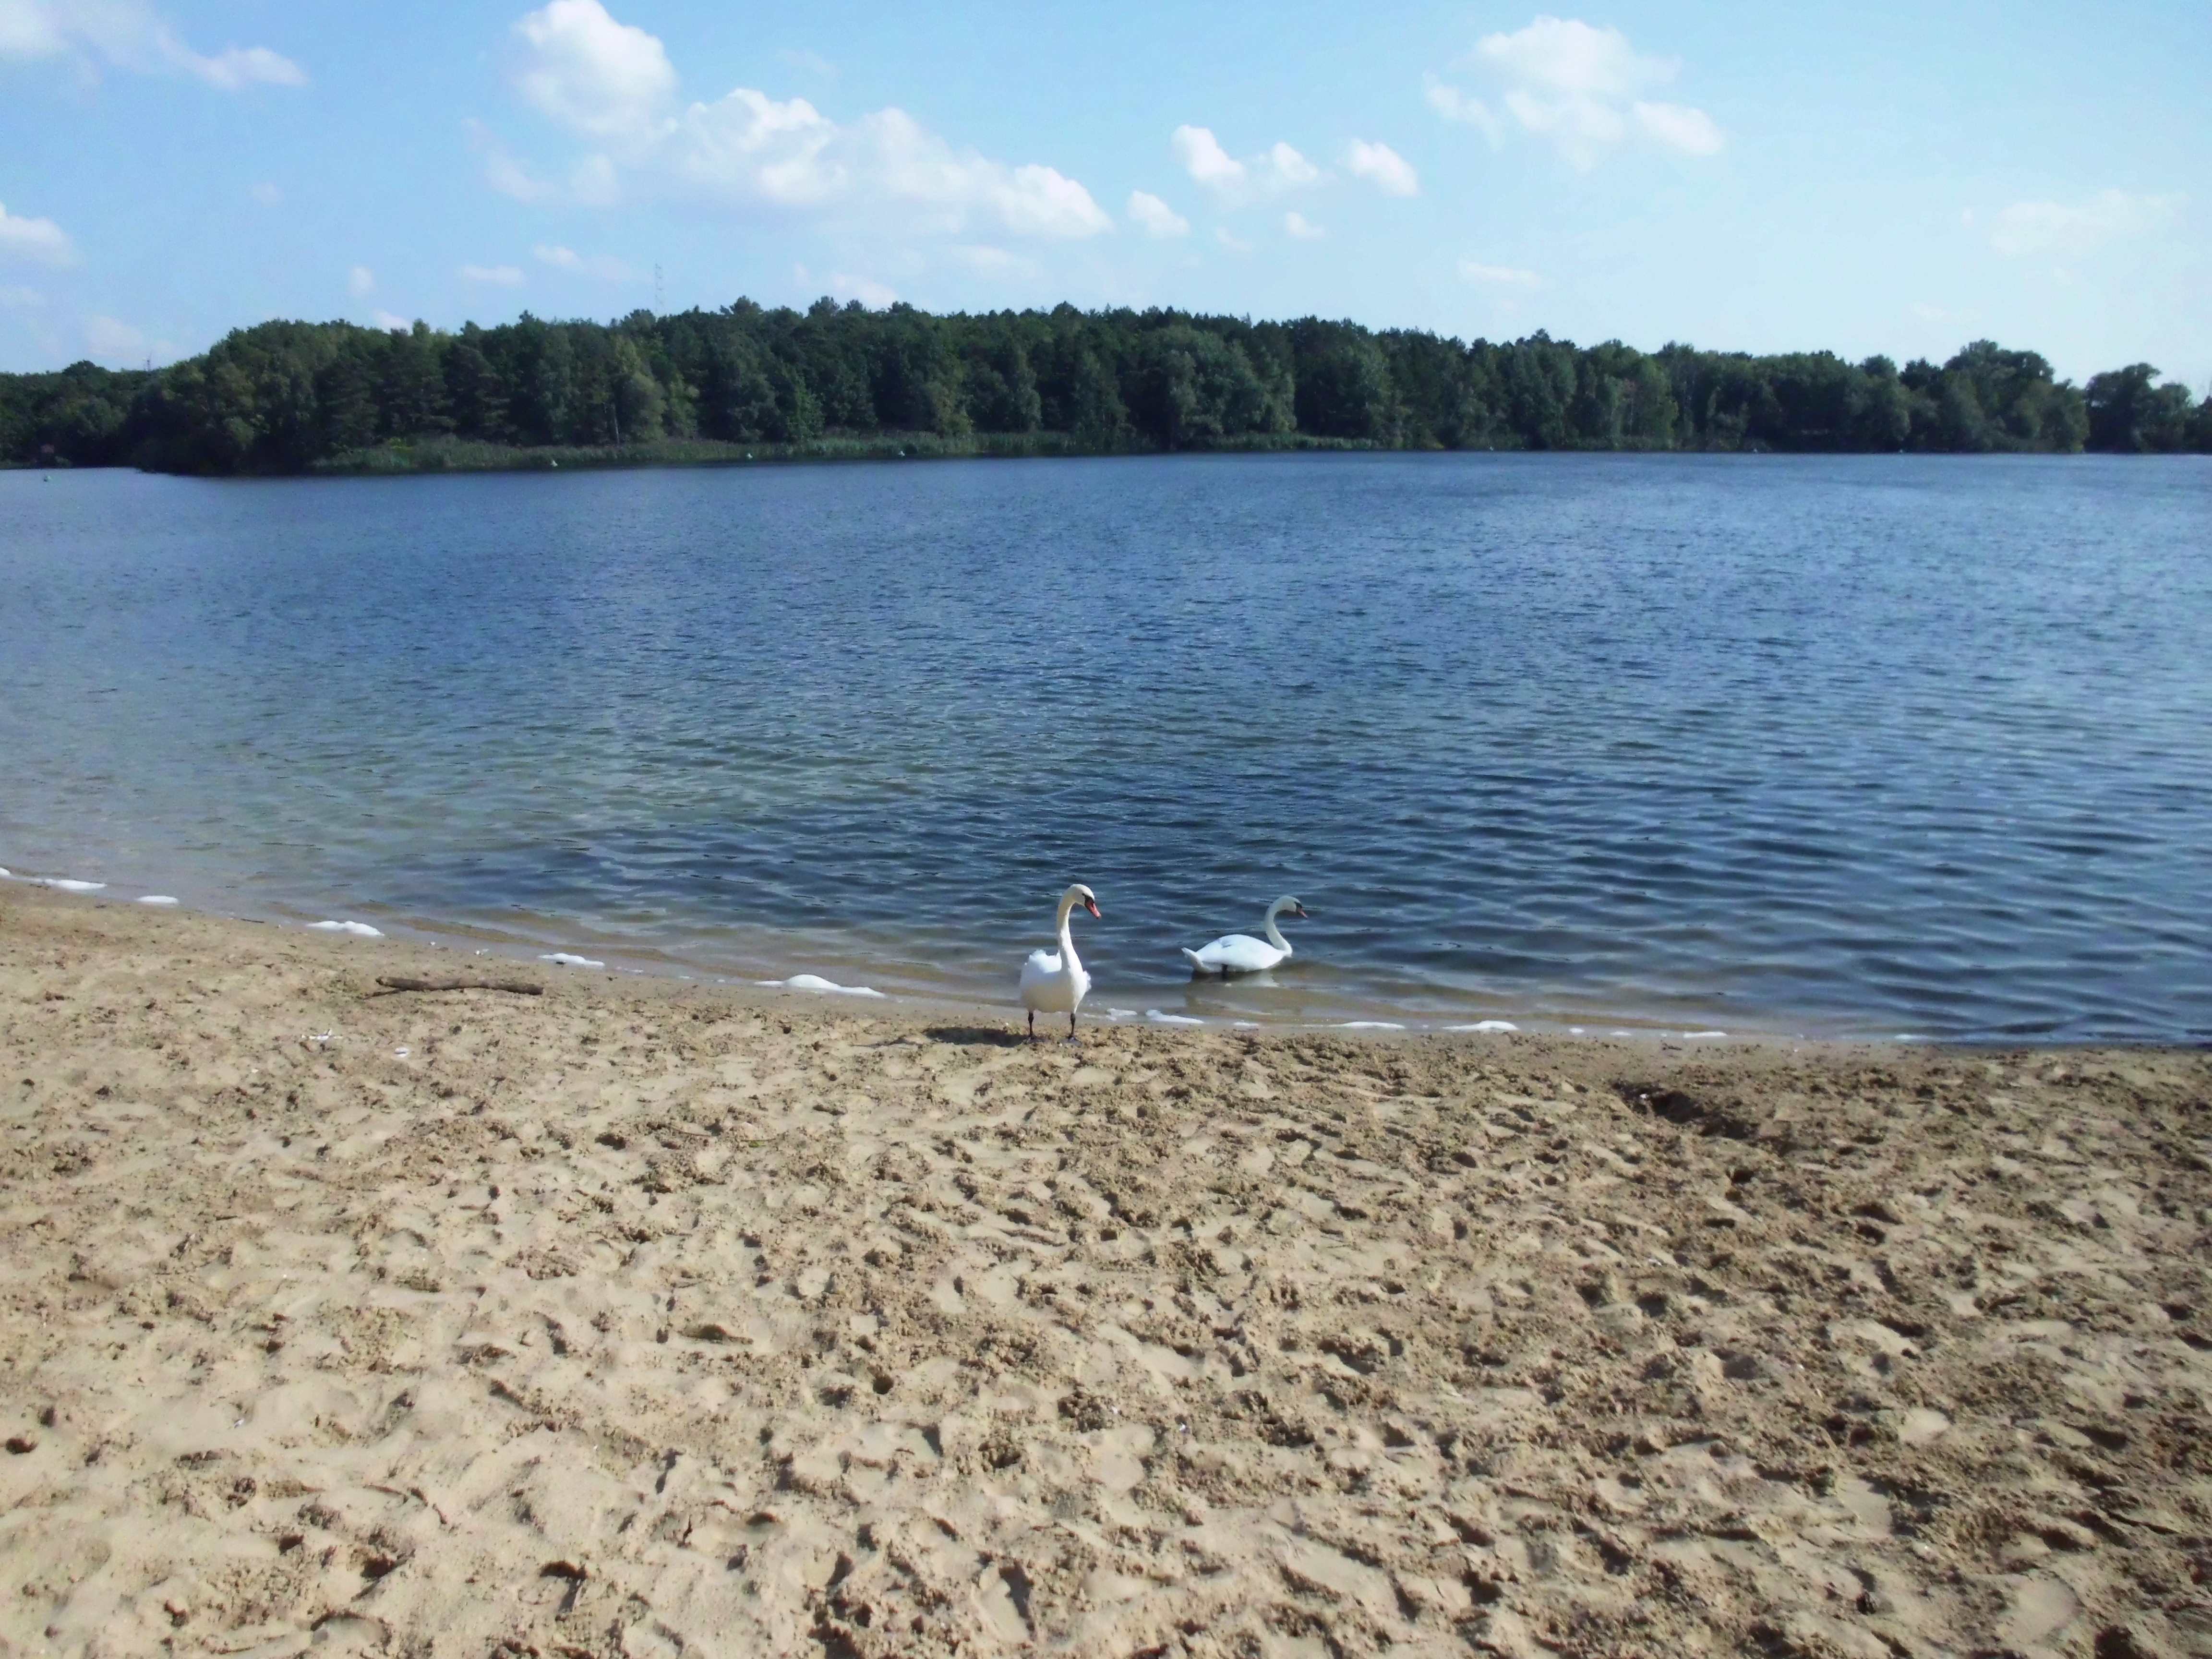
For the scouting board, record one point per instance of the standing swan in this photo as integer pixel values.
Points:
(1056, 983)
(1240, 953)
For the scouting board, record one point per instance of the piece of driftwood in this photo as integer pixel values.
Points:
(520, 988)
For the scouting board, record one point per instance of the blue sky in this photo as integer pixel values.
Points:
(1892, 178)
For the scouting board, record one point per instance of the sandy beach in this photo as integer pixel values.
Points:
(639, 1318)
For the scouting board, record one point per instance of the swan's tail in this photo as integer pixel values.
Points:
(1195, 961)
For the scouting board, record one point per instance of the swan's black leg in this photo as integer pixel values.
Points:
(1032, 1025)
(1071, 1026)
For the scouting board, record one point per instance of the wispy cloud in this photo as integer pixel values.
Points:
(499, 276)
(266, 194)
(1231, 240)
(1581, 87)
(612, 85)
(16, 297)
(1277, 168)
(131, 35)
(391, 319)
(108, 338)
(987, 261)
(2075, 228)
(39, 241)
(1498, 275)
(874, 295)
(603, 267)
(1298, 225)
(1389, 172)
(1155, 217)
(361, 281)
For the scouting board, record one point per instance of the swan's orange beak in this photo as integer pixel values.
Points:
(1091, 905)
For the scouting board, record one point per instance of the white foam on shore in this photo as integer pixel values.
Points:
(1485, 1025)
(569, 959)
(1159, 1019)
(358, 929)
(1120, 1014)
(815, 982)
(1371, 1026)
(155, 898)
(1244, 1024)
(1705, 1034)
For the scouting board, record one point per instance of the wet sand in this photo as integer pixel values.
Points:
(639, 1318)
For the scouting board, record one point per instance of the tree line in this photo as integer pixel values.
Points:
(289, 397)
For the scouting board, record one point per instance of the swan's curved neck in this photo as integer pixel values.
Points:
(1067, 934)
(1274, 934)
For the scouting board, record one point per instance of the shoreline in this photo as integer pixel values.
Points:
(637, 1315)
(460, 941)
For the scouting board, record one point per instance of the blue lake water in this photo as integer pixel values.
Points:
(1848, 746)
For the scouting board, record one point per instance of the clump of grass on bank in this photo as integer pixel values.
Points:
(439, 453)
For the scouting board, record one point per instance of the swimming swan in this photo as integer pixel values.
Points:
(1240, 953)
(1056, 983)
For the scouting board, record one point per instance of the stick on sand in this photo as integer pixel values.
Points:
(518, 987)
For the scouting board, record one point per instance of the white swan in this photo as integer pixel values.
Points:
(1056, 983)
(1240, 953)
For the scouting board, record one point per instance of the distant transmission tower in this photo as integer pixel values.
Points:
(657, 301)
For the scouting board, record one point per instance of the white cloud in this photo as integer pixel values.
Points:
(109, 338)
(501, 170)
(1203, 158)
(129, 34)
(39, 241)
(1304, 229)
(613, 83)
(814, 63)
(510, 178)
(1155, 216)
(1284, 168)
(267, 194)
(1235, 244)
(391, 319)
(603, 267)
(360, 280)
(1392, 173)
(989, 261)
(1499, 276)
(2057, 227)
(19, 298)
(592, 74)
(866, 290)
(1677, 126)
(1448, 101)
(500, 276)
(1581, 87)
(1276, 169)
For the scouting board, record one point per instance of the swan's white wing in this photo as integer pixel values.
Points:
(1046, 985)
(1239, 953)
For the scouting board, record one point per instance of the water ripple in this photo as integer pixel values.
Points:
(1845, 745)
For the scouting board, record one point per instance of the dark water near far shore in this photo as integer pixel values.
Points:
(1850, 746)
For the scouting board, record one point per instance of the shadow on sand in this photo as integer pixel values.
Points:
(989, 1037)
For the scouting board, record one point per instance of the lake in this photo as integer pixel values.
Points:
(1861, 745)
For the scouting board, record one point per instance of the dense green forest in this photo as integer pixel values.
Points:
(292, 397)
